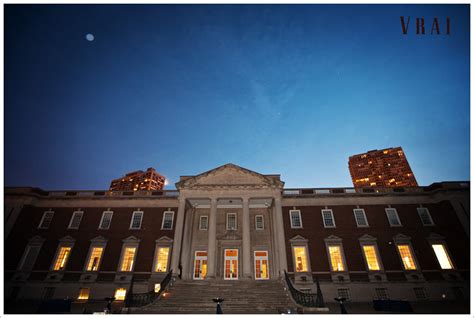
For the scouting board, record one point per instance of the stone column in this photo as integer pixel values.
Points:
(246, 255)
(211, 244)
(280, 231)
(274, 233)
(186, 250)
(178, 236)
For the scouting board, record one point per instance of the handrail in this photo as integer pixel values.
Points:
(142, 299)
(305, 299)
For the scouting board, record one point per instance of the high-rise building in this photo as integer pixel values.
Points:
(381, 168)
(139, 180)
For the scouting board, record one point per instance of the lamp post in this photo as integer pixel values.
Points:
(218, 301)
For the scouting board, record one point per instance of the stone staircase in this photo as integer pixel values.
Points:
(240, 297)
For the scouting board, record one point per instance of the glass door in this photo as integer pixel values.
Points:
(261, 265)
(231, 264)
(200, 265)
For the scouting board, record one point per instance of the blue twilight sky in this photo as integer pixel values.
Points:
(285, 89)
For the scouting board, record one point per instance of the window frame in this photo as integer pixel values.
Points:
(78, 212)
(448, 255)
(33, 242)
(308, 269)
(66, 242)
(163, 220)
(162, 242)
(40, 225)
(141, 220)
(377, 256)
(365, 217)
(130, 242)
(202, 217)
(78, 299)
(256, 223)
(332, 218)
(299, 217)
(343, 257)
(427, 213)
(412, 253)
(102, 220)
(348, 298)
(228, 214)
(396, 214)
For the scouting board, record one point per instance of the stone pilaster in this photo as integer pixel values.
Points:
(280, 232)
(211, 252)
(246, 255)
(178, 236)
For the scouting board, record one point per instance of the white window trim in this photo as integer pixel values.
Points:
(34, 242)
(162, 242)
(332, 217)
(299, 241)
(396, 214)
(377, 254)
(227, 221)
(102, 219)
(343, 256)
(72, 218)
(141, 220)
(163, 220)
(263, 223)
(410, 247)
(365, 217)
(200, 222)
(96, 242)
(255, 265)
(129, 242)
(42, 219)
(438, 239)
(429, 216)
(301, 220)
(64, 242)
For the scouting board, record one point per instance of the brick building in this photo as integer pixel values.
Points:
(234, 233)
(139, 181)
(381, 168)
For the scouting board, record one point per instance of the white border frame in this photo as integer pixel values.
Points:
(227, 221)
(72, 218)
(291, 220)
(102, 219)
(429, 216)
(141, 220)
(332, 217)
(263, 223)
(365, 217)
(255, 264)
(396, 214)
(42, 219)
(163, 220)
(200, 222)
(231, 258)
(200, 258)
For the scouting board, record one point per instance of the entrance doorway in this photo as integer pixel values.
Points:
(261, 265)
(231, 264)
(200, 265)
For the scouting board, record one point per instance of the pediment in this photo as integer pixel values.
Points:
(131, 239)
(229, 175)
(333, 238)
(401, 238)
(36, 239)
(435, 236)
(367, 237)
(298, 238)
(99, 239)
(164, 239)
(67, 239)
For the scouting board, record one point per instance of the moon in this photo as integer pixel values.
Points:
(90, 37)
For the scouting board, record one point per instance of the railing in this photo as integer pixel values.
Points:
(142, 299)
(305, 299)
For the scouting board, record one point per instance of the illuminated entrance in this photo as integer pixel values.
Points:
(261, 264)
(231, 261)
(200, 265)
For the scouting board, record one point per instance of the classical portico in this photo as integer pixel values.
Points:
(229, 225)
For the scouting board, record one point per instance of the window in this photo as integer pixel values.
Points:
(406, 256)
(167, 223)
(328, 218)
(136, 222)
(231, 221)
(301, 261)
(371, 257)
(295, 219)
(29, 258)
(203, 221)
(46, 220)
(61, 259)
(75, 220)
(360, 218)
(259, 222)
(381, 293)
(157, 287)
(393, 218)
(162, 257)
(128, 259)
(420, 293)
(335, 254)
(442, 256)
(344, 293)
(83, 294)
(120, 293)
(425, 216)
(94, 259)
(48, 293)
(106, 220)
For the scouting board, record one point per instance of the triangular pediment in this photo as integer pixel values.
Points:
(131, 239)
(333, 238)
(435, 236)
(99, 239)
(367, 237)
(401, 238)
(298, 238)
(164, 239)
(230, 175)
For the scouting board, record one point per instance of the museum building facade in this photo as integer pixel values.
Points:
(234, 224)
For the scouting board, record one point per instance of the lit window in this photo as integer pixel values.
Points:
(46, 220)
(295, 219)
(407, 257)
(62, 258)
(371, 257)
(120, 293)
(94, 259)
(106, 220)
(344, 293)
(259, 222)
(203, 221)
(301, 262)
(128, 258)
(83, 294)
(392, 216)
(336, 258)
(328, 218)
(231, 221)
(373, 184)
(29, 258)
(75, 220)
(136, 222)
(360, 218)
(162, 259)
(425, 216)
(167, 223)
(157, 288)
(442, 256)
